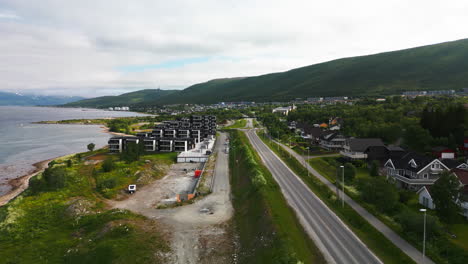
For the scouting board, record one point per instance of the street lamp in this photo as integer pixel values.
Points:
(424, 237)
(306, 161)
(342, 183)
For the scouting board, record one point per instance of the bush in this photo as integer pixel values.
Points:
(108, 165)
(405, 196)
(69, 163)
(379, 192)
(412, 223)
(374, 169)
(108, 183)
(55, 178)
(349, 172)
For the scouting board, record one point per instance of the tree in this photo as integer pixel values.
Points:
(69, 163)
(444, 193)
(55, 177)
(379, 192)
(411, 222)
(374, 169)
(349, 172)
(91, 146)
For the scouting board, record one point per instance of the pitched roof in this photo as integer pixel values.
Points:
(462, 175)
(403, 163)
(361, 144)
(450, 163)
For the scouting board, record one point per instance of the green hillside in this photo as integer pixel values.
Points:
(435, 67)
(138, 97)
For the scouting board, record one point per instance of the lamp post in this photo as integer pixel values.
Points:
(424, 236)
(342, 183)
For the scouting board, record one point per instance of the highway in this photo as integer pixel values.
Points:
(330, 234)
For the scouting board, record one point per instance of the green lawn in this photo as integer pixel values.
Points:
(240, 123)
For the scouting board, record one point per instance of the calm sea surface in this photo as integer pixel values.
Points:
(23, 144)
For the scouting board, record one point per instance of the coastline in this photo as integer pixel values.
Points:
(21, 183)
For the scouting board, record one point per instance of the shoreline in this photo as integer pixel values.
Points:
(21, 183)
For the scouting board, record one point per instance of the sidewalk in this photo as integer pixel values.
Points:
(408, 249)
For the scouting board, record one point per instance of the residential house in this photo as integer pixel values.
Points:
(364, 148)
(413, 171)
(443, 152)
(284, 110)
(426, 200)
(332, 140)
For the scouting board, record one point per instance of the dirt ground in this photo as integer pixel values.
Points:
(200, 232)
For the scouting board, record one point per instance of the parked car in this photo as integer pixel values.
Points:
(132, 188)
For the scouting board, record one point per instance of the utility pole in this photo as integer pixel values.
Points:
(342, 183)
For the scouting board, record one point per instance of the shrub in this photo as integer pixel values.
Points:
(108, 183)
(379, 192)
(55, 178)
(374, 169)
(412, 223)
(108, 165)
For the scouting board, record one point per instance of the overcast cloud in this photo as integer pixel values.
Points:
(97, 47)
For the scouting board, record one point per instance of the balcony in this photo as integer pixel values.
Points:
(354, 155)
(415, 181)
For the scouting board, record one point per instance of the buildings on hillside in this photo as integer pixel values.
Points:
(284, 110)
(170, 136)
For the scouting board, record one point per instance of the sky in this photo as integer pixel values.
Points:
(107, 47)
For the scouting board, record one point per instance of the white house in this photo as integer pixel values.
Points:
(425, 197)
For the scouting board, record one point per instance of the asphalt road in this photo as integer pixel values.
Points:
(330, 234)
(221, 172)
(407, 248)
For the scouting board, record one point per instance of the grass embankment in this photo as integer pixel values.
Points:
(240, 123)
(442, 248)
(268, 229)
(62, 218)
(378, 243)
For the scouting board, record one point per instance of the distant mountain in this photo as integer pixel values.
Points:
(127, 99)
(31, 100)
(435, 67)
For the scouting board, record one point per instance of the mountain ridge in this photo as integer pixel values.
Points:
(440, 66)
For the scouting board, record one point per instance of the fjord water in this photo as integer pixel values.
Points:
(22, 143)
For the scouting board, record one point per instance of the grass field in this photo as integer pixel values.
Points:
(62, 218)
(240, 123)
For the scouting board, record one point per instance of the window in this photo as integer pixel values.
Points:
(425, 201)
(425, 176)
(435, 166)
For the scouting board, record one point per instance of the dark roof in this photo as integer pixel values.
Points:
(403, 163)
(314, 131)
(462, 175)
(395, 148)
(450, 163)
(361, 144)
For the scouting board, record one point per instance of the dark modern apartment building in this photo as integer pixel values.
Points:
(169, 136)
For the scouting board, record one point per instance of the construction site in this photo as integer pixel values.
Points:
(198, 230)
